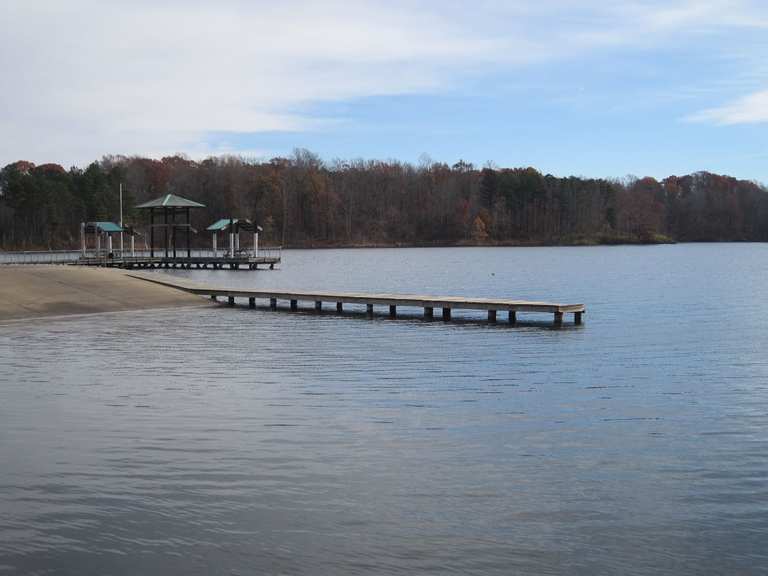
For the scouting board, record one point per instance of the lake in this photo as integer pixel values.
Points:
(223, 440)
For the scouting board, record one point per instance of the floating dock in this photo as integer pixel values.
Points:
(428, 303)
(183, 262)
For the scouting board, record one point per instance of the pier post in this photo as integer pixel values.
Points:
(491, 315)
(251, 302)
(273, 303)
(369, 309)
(339, 307)
(429, 312)
(231, 300)
(392, 311)
(558, 318)
(577, 318)
(513, 317)
(294, 305)
(318, 305)
(446, 314)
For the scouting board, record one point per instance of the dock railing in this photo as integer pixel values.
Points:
(18, 257)
(39, 257)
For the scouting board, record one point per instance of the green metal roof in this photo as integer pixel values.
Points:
(222, 224)
(107, 227)
(241, 223)
(171, 201)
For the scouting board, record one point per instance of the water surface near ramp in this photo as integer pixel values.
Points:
(224, 440)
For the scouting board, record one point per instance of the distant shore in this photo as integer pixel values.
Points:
(578, 241)
(37, 291)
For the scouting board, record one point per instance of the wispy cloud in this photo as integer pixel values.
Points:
(750, 109)
(87, 77)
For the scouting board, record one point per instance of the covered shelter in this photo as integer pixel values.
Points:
(234, 226)
(169, 205)
(99, 230)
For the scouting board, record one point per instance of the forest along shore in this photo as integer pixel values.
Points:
(303, 202)
(39, 291)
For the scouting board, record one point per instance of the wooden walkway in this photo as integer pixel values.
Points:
(445, 303)
(184, 262)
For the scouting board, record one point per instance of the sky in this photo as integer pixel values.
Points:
(599, 88)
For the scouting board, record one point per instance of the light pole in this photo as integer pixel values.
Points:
(121, 220)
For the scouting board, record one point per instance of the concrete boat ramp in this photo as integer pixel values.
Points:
(391, 301)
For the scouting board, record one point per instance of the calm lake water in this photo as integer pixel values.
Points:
(230, 441)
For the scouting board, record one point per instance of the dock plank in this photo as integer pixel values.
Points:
(374, 299)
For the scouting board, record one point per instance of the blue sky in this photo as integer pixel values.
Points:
(587, 88)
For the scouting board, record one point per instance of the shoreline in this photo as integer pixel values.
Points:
(56, 291)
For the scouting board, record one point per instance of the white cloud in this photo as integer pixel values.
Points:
(750, 109)
(84, 78)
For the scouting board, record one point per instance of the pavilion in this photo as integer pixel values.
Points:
(170, 205)
(99, 230)
(234, 226)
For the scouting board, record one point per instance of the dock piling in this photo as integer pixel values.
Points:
(491, 306)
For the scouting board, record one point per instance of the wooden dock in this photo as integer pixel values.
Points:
(391, 301)
(182, 262)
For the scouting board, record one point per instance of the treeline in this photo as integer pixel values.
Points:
(303, 201)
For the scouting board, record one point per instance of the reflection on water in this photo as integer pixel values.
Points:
(231, 441)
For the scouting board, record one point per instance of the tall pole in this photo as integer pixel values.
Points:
(189, 226)
(121, 219)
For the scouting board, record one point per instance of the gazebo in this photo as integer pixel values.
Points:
(234, 226)
(99, 230)
(170, 205)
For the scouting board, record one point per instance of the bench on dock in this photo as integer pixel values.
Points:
(446, 303)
